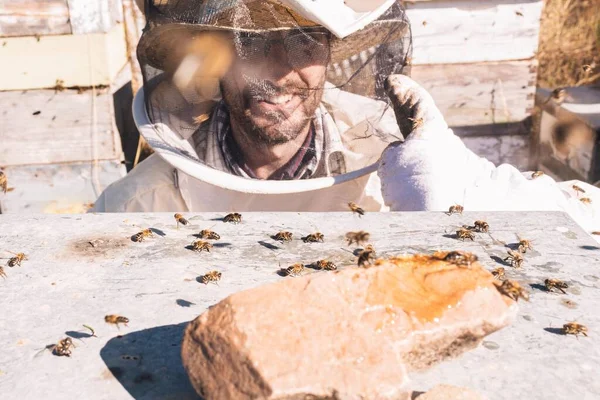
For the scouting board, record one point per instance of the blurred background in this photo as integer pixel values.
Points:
(518, 80)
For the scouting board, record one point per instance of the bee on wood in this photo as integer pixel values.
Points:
(212, 276)
(283, 236)
(116, 320)
(555, 284)
(455, 209)
(357, 237)
(481, 226)
(515, 259)
(464, 233)
(417, 122)
(180, 220)
(513, 290)
(573, 328)
(536, 174)
(208, 234)
(294, 270)
(524, 245)
(200, 246)
(366, 256)
(460, 258)
(326, 265)
(356, 209)
(586, 200)
(234, 218)
(578, 189)
(16, 260)
(498, 273)
(314, 238)
(141, 236)
(62, 348)
(2, 273)
(3, 182)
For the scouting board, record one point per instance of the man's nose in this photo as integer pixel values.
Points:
(276, 62)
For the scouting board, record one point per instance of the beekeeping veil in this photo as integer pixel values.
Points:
(304, 73)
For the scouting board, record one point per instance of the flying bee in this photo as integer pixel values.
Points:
(460, 258)
(2, 273)
(314, 238)
(464, 233)
(62, 348)
(513, 290)
(586, 200)
(536, 174)
(180, 220)
(357, 237)
(3, 182)
(16, 260)
(116, 320)
(366, 256)
(515, 259)
(573, 328)
(201, 245)
(234, 218)
(555, 284)
(498, 273)
(481, 226)
(283, 236)
(455, 209)
(326, 265)
(212, 276)
(294, 270)
(208, 234)
(524, 245)
(578, 189)
(141, 236)
(356, 209)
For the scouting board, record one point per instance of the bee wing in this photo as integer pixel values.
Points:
(158, 232)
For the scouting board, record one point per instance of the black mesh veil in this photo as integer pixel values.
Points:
(255, 89)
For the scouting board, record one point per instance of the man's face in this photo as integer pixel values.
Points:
(276, 83)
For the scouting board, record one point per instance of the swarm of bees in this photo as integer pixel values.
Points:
(283, 236)
(326, 265)
(366, 256)
(515, 259)
(455, 209)
(16, 260)
(201, 245)
(180, 220)
(573, 328)
(141, 236)
(314, 238)
(294, 270)
(3, 182)
(460, 258)
(513, 290)
(555, 284)
(234, 218)
(116, 320)
(209, 235)
(498, 273)
(357, 237)
(464, 233)
(212, 276)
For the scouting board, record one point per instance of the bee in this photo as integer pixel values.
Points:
(200, 246)
(62, 348)
(357, 237)
(524, 245)
(141, 236)
(294, 270)
(283, 236)
(3, 182)
(208, 234)
(536, 174)
(514, 258)
(417, 122)
(573, 328)
(578, 189)
(326, 265)
(212, 276)
(356, 209)
(314, 238)
(498, 273)
(366, 256)
(597, 233)
(2, 273)
(586, 200)
(16, 260)
(559, 95)
(519, 13)
(455, 209)
(180, 220)
(555, 284)
(513, 290)
(461, 258)
(116, 320)
(464, 233)
(481, 226)
(234, 218)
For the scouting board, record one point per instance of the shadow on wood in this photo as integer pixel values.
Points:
(159, 372)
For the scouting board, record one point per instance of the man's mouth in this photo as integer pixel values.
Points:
(276, 100)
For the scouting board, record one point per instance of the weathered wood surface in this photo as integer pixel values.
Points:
(69, 127)
(94, 16)
(66, 283)
(29, 17)
(58, 188)
(464, 31)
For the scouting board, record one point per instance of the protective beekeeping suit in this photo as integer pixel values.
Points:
(304, 105)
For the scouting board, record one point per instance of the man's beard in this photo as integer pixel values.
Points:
(271, 127)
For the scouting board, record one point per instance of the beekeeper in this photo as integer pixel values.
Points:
(304, 105)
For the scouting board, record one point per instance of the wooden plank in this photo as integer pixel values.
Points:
(480, 94)
(95, 16)
(57, 188)
(29, 17)
(77, 60)
(462, 31)
(69, 127)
